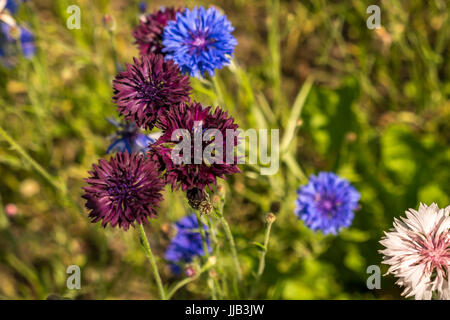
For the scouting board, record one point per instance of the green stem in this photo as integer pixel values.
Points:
(273, 10)
(61, 188)
(234, 255)
(114, 51)
(262, 257)
(218, 90)
(181, 284)
(4, 222)
(214, 283)
(202, 233)
(213, 236)
(151, 258)
(186, 281)
(216, 253)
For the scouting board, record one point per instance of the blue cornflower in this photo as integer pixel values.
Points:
(199, 41)
(8, 43)
(142, 6)
(187, 244)
(128, 138)
(27, 42)
(327, 203)
(13, 5)
(8, 27)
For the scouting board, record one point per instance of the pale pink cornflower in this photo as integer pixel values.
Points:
(418, 252)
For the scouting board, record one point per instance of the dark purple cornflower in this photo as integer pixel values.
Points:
(327, 203)
(194, 174)
(148, 33)
(187, 244)
(149, 87)
(123, 190)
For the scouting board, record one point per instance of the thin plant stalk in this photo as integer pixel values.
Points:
(148, 252)
(4, 222)
(218, 90)
(262, 257)
(234, 255)
(273, 9)
(54, 182)
(113, 50)
(181, 284)
(270, 219)
(216, 253)
(229, 236)
(214, 283)
(202, 233)
(51, 180)
(207, 266)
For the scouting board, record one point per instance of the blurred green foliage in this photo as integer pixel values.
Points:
(374, 108)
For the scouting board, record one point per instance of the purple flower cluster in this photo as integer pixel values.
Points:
(153, 92)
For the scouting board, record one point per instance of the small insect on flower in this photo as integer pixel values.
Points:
(148, 34)
(187, 244)
(123, 190)
(198, 199)
(148, 88)
(327, 203)
(194, 172)
(129, 138)
(199, 41)
(418, 252)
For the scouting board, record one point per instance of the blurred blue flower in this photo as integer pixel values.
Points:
(27, 42)
(128, 138)
(12, 6)
(8, 43)
(187, 244)
(327, 203)
(11, 33)
(142, 6)
(199, 41)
